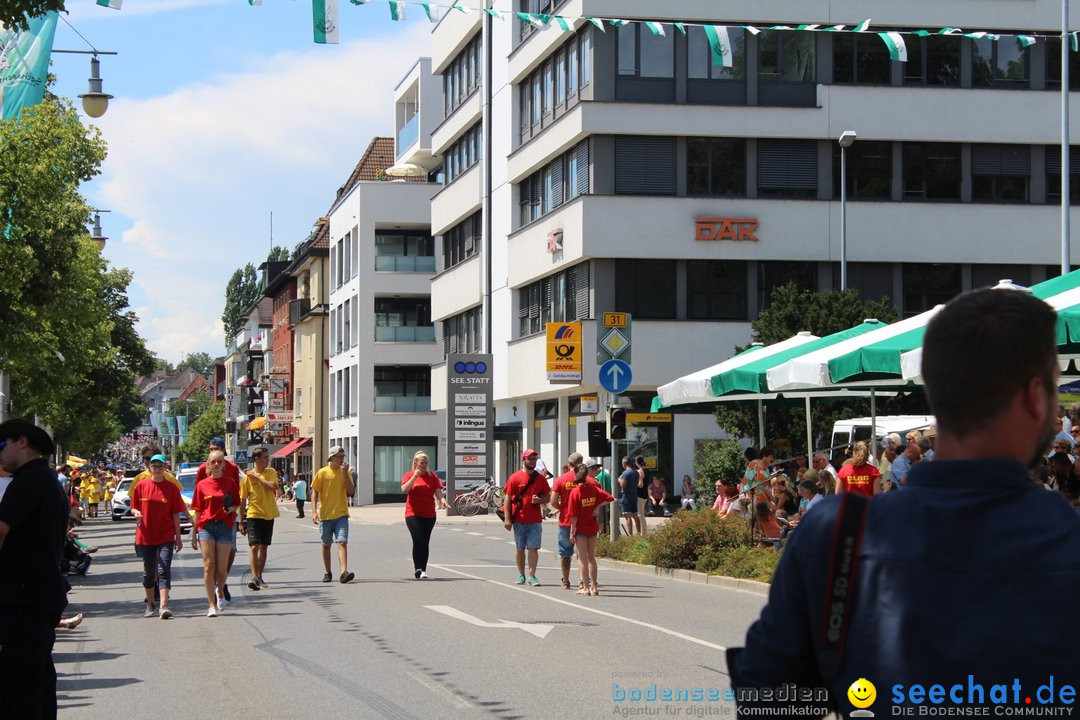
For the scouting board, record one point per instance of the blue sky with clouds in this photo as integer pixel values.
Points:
(224, 113)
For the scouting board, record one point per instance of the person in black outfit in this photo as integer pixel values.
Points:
(33, 593)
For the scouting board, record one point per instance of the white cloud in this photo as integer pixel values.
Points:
(196, 173)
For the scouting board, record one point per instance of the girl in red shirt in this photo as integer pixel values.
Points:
(215, 501)
(859, 475)
(585, 502)
(422, 489)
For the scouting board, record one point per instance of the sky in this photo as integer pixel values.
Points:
(224, 113)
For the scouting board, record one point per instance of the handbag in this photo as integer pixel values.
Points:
(516, 501)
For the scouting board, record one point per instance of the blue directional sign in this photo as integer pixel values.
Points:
(615, 376)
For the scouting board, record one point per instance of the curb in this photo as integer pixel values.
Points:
(690, 576)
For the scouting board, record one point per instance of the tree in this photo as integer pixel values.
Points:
(241, 293)
(194, 406)
(716, 460)
(278, 254)
(13, 13)
(200, 362)
(209, 426)
(791, 310)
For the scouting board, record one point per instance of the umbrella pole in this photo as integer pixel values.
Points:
(761, 424)
(873, 424)
(809, 430)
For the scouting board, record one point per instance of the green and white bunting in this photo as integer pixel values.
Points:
(494, 13)
(324, 21)
(897, 47)
(254, 2)
(720, 44)
(397, 10)
(431, 15)
(598, 24)
(563, 24)
(655, 28)
(462, 8)
(1025, 40)
(114, 4)
(863, 26)
(535, 19)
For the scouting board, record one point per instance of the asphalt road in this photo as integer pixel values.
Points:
(468, 643)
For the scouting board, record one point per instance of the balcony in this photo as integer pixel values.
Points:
(417, 109)
(298, 309)
(408, 134)
(405, 263)
(406, 333)
(402, 404)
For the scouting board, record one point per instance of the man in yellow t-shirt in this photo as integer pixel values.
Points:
(331, 487)
(258, 508)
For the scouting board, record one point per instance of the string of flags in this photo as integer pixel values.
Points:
(325, 25)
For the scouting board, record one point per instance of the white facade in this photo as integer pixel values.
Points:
(951, 182)
(380, 331)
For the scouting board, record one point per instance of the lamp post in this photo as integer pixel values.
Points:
(846, 140)
(94, 101)
(97, 237)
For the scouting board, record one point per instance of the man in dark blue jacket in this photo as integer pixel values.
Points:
(959, 591)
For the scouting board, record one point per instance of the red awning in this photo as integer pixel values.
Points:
(291, 447)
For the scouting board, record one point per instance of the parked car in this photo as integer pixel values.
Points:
(121, 502)
(122, 499)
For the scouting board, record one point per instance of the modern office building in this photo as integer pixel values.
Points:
(629, 173)
(382, 341)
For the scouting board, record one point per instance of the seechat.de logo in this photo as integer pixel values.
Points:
(470, 368)
(862, 695)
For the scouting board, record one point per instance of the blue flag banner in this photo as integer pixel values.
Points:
(24, 64)
(181, 429)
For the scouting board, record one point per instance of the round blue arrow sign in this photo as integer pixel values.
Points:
(615, 376)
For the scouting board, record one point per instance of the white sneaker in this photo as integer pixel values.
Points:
(212, 612)
(149, 611)
(165, 613)
(423, 575)
(222, 603)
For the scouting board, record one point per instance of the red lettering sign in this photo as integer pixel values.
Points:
(736, 229)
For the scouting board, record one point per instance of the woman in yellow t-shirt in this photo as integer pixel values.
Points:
(93, 495)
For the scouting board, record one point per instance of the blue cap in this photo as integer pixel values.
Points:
(159, 458)
(219, 442)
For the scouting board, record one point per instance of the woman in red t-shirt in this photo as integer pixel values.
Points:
(214, 502)
(157, 505)
(858, 475)
(585, 502)
(422, 489)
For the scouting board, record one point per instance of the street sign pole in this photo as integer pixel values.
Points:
(614, 481)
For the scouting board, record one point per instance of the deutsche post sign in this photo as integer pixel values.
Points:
(564, 352)
(726, 229)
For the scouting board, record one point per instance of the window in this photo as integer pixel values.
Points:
(716, 166)
(869, 170)
(403, 320)
(646, 288)
(787, 56)
(464, 153)
(346, 257)
(1001, 173)
(404, 251)
(860, 58)
(391, 454)
(933, 60)
(931, 171)
(560, 78)
(716, 290)
(402, 388)
(772, 275)
(560, 181)
(553, 87)
(1053, 175)
(999, 63)
(929, 284)
(339, 275)
(787, 168)
(346, 330)
(464, 333)
(699, 56)
(557, 298)
(462, 77)
(462, 241)
(643, 54)
(644, 165)
(1053, 65)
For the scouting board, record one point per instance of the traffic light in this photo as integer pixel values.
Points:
(598, 442)
(616, 428)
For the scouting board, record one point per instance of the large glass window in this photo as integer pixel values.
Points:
(560, 297)
(1053, 175)
(560, 181)
(464, 153)
(1053, 65)
(402, 388)
(1001, 173)
(999, 63)
(869, 170)
(392, 459)
(643, 54)
(787, 55)
(772, 275)
(931, 171)
(860, 58)
(716, 166)
(404, 251)
(403, 320)
(462, 77)
(929, 284)
(787, 168)
(464, 333)
(716, 290)
(933, 60)
(462, 241)
(699, 57)
(646, 288)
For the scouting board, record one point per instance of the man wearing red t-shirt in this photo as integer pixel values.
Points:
(231, 472)
(157, 505)
(560, 495)
(526, 492)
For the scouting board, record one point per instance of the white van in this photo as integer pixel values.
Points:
(846, 432)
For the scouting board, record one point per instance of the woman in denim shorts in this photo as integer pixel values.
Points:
(214, 503)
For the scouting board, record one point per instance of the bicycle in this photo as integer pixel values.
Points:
(487, 496)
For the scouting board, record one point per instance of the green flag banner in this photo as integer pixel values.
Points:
(24, 64)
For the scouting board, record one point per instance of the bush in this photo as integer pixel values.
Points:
(717, 460)
(633, 549)
(682, 539)
(748, 563)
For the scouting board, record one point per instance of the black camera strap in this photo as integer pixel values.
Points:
(840, 588)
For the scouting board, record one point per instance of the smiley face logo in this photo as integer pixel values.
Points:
(862, 693)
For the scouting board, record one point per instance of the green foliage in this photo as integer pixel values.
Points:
(791, 310)
(633, 548)
(193, 407)
(278, 254)
(679, 542)
(716, 460)
(745, 562)
(241, 293)
(200, 362)
(13, 13)
(210, 425)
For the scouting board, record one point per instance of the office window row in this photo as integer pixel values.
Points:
(463, 240)
(342, 388)
(464, 333)
(560, 181)
(342, 265)
(537, 7)
(561, 297)
(463, 154)
(554, 87)
(343, 325)
(462, 77)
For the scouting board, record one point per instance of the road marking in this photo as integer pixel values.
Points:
(438, 689)
(474, 533)
(492, 537)
(539, 631)
(613, 616)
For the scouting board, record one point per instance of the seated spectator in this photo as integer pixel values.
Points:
(786, 505)
(765, 524)
(809, 492)
(689, 493)
(725, 497)
(658, 496)
(1062, 477)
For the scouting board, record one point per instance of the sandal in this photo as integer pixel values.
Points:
(594, 591)
(566, 584)
(583, 590)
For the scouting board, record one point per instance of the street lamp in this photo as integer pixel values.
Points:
(847, 139)
(97, 237)
(94, 101)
